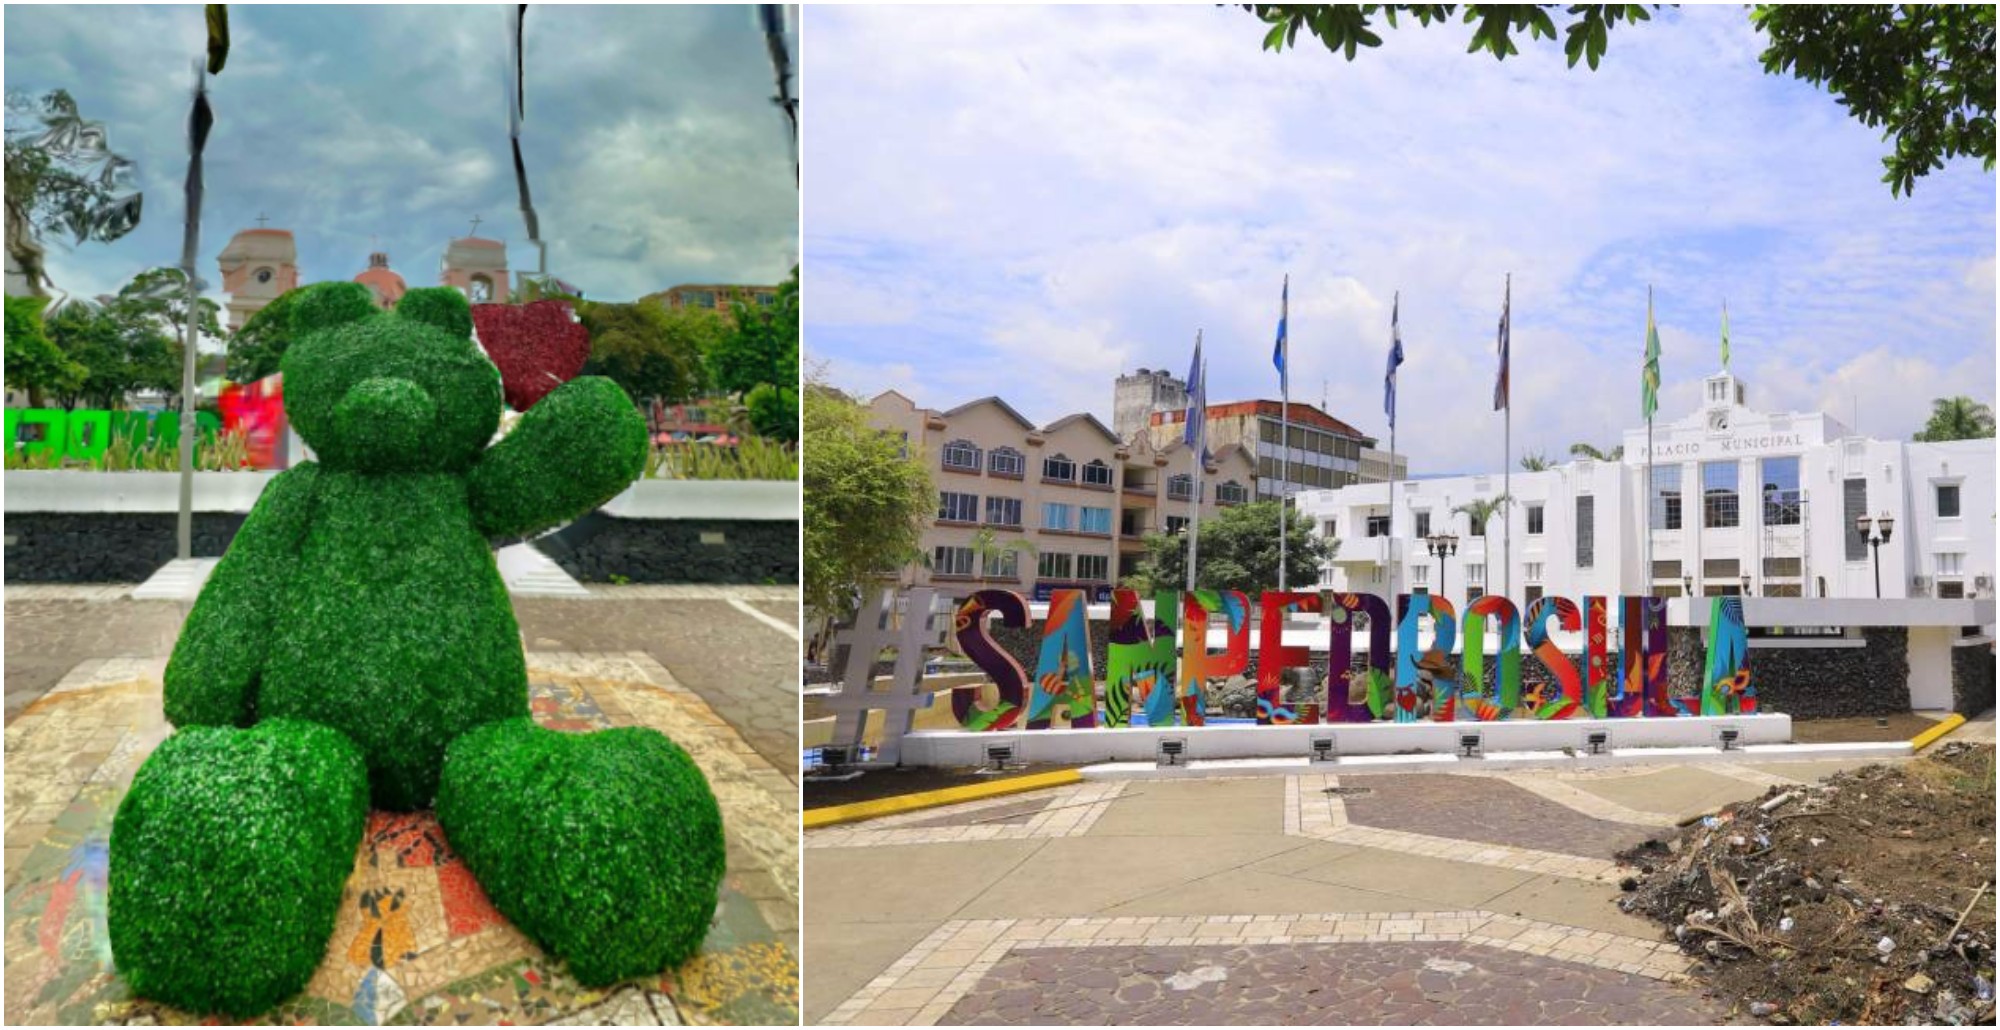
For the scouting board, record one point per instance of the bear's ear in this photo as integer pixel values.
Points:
(325, 305)
(439, 306)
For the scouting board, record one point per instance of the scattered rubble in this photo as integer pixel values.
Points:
(1862, 899)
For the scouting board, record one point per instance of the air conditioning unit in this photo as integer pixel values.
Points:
(1982, 583)
(1920, 584)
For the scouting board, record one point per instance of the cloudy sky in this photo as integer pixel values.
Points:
(1029, 201)
(654, 152)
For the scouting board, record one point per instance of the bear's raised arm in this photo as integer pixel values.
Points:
(221, 650)
(575, 449)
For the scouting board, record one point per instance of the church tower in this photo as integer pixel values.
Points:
(257, 266)
(477, 268)
(382, 281)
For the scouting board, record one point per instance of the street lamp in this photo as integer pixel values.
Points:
(1441, 546)
(1882, 523)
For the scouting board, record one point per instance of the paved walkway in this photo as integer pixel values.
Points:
(1448, 898)
(83, 710)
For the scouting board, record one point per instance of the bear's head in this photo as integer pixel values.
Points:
(373, 391)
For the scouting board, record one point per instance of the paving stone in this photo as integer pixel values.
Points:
(1373, 983)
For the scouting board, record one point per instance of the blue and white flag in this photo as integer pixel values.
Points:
(1395, 358)
(1195, 433)
(1279, 351)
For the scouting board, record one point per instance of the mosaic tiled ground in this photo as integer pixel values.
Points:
(1424, 984)
(1442, 968)
(416, 940)
(1486, 809)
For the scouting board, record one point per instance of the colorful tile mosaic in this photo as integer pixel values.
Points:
(416, 940)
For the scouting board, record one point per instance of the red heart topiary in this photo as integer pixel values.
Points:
(537, 346)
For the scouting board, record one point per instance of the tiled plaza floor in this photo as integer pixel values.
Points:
(1309, 898)
(416, 940)
(1435, 983)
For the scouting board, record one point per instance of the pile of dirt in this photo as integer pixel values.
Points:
(1866, 898)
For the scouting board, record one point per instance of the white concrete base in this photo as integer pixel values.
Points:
(530, 573)
(1081, 747)
(1221, 767)
(177, 580)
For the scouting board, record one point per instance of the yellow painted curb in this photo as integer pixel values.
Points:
(876, 809)
(1944, 726)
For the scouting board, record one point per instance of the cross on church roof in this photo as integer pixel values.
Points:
(475, 224)
(261, 219)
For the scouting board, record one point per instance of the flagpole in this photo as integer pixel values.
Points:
(1197, 404)
(1284, 424)
(1507, 470)
(1647, 492)
(1395, 342)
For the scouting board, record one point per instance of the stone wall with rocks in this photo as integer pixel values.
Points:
(600, 548)
(1814, 682)
(1972, 678)
(106, 547)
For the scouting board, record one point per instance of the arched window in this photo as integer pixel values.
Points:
(1059, 468)
(961, 454)
(1097, 473)
(482, 290)
(1231, 492)
(1181, 487)
(1006, 461)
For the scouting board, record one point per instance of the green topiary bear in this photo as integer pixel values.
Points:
(357, 643)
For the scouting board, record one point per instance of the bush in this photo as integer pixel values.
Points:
(605, 847)
(228, 858)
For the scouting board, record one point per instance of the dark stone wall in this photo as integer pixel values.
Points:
(1972, 679)
(106, 547)
(598, 547)
(1814, 682)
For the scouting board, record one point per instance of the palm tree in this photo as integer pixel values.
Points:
(987, 546)
(1957, 418)
(1480, 511)
(1536, 462)
(1584, 450)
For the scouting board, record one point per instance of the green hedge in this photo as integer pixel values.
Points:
(228, 858)
(606, 848)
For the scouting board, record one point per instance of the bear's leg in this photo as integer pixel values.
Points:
(605, 847)
(228, 858)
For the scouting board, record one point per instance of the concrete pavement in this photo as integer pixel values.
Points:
(945, 915)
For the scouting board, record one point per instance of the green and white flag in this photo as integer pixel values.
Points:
(1649, 398)
(1725, 336)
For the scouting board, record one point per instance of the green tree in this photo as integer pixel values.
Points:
(1584, 450)
(987, 547)
(128, 344)
(258, 348)
(34, 363)
(159, 296)
(1536, 461)
(763, 344)
(1238, 552)
(1922, 73)
(867, 500)
(1953, 418)
(774, 412)
(650, 350)
(63, 178)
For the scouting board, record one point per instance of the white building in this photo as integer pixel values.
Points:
(1742, 502)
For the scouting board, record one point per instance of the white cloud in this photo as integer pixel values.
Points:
(1054, 192)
